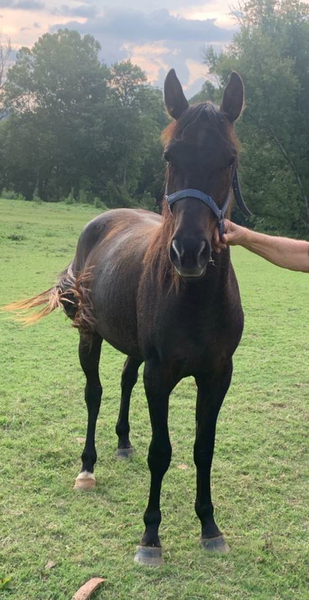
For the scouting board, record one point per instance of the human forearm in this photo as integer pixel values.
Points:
(283, 252)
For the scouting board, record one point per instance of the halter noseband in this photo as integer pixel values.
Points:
(208, 200)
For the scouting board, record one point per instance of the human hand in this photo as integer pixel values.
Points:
(233, 235)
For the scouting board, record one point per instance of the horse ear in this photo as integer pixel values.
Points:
(175, 100)
(233, 97)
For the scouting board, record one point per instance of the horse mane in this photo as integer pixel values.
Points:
(156, 259)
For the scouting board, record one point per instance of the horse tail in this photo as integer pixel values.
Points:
(71, 292)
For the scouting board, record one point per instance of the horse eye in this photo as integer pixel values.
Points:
(166, 156)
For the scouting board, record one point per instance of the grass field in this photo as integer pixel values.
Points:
(261, 467)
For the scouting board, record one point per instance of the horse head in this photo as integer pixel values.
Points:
(201, 151)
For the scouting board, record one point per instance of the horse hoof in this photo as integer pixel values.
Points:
(215, 545)
(85, 481)
(125, 452)
(148, 556)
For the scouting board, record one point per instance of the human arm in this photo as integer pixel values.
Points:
(283, 252)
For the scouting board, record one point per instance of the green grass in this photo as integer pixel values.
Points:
(261, 467)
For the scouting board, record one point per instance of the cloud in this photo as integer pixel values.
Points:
(13, 55)
(83, 10)
(152, 58)
(175, 5)
(155, 40)
(29, 5)
(137, 26)
(22, 4)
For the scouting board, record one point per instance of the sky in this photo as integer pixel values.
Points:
(155, 34)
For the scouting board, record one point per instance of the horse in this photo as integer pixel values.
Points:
(151, 286)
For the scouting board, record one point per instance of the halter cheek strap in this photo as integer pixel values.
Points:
(238, 196)
(208, 200)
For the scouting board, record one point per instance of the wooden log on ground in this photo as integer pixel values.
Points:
(88, 588)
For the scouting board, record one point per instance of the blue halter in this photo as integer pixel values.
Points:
(208, 200)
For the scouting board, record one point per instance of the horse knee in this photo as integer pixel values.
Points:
(159, 456)
(93, 394)
(202, 458)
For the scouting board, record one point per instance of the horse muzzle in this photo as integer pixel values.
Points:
(190, 256)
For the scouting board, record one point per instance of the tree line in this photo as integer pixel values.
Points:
(72, 127)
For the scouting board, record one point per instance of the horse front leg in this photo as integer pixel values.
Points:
(89, 356)
(158, 386)
(211, 392)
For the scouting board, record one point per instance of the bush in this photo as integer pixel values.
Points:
(99, 204)
(9, 194)
(85, 196)
(69, 199)
(115, 196)
(147, 202)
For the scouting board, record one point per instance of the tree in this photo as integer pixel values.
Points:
(77, 127)
(208, 92)
(271, 52)
(128, 137)
(58, 88)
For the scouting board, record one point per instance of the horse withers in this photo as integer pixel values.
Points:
(151, 286)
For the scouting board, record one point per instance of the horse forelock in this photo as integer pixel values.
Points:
(210, 113)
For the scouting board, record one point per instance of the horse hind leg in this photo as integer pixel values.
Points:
(159, 380)
(89, 356)
(128, 381)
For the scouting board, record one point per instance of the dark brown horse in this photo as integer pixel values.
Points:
(152, 288)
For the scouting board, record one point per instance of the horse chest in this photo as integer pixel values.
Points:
(199, 329)
(196, 340)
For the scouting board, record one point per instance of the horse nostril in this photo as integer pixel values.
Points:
(189, 255)
(178, 249)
